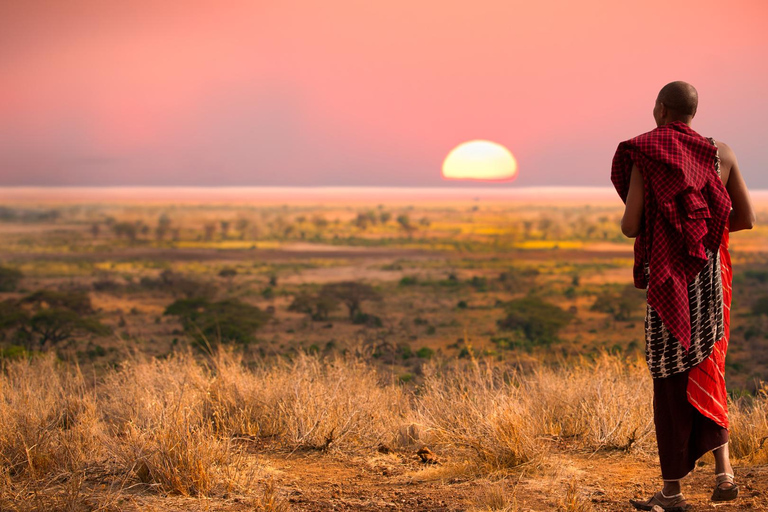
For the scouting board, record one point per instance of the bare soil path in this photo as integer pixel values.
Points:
(313, 481)
(316, 482)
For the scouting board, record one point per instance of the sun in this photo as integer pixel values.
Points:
(480, 160)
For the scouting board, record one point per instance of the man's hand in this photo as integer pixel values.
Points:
(633, 211)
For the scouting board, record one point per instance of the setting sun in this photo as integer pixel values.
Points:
(480, 160)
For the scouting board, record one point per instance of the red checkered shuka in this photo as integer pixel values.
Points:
(685, 210)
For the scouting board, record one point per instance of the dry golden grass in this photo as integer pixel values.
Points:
(270, 500)
(175, 426)
(479, 408)
(604, 403)
(574, 501)
(749, 427)
(494, 497)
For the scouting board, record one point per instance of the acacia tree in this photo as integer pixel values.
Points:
(163, 226)
(224, 229)
(225, 321)
(241, 225)
(405, 223)
(351, 293)
(48, 318)
(209, 230)
(128, 230)
(537, 320)
(317, 306)
(55, 325)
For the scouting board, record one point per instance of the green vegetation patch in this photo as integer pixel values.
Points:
(48, 318)
(210, 323)
(538, 321)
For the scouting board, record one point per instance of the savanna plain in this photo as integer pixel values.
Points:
(347, 351)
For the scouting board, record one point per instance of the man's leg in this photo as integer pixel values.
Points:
(722, 460)
(725, 488)
(671, 488)
(673, 418)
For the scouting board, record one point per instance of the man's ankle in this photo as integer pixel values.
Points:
(725, 468)
(670, 489)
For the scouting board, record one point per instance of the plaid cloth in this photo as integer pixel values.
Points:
(686, 209)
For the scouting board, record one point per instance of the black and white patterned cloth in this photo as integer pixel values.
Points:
(663, 353)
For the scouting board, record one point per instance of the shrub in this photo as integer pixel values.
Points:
(513, 342)
(226, 321)
(539, 321)
(405, 351)
(178, 285)
(228, 272)
(318, 307)
(425, 353)
(452, 280)
(14, 352)
(514, 280)
(761, 276)
(11, 314)
(620, 305)
(78, 302)
(478, 283)
(760, 307)
(128, 230)
(105, 285)
(9, 279)
(367, 320)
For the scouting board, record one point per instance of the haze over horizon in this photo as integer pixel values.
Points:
(350, 93)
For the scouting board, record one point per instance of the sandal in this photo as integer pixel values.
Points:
(724, 493)
(677, 503)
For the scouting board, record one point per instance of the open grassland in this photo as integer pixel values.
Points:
(211, 432)
(211, 355)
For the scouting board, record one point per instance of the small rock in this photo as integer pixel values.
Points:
(426, 455)
(657, 508)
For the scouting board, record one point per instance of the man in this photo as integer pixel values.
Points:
(684, 194)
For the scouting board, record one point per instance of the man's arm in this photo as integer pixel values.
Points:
(633, 211)
(743, 215)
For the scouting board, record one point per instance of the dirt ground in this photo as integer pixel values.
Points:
(400, 482)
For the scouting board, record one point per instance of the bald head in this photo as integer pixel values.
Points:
(678, 101)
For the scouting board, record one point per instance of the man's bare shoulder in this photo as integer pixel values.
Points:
(727, 155)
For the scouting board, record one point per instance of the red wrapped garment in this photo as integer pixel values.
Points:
(706, 381)
(685, 209)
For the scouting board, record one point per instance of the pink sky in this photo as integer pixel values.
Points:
(362, 92)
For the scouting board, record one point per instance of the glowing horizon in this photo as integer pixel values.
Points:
(344, 93)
